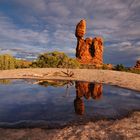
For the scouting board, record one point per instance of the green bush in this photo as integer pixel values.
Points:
(133, 70)
(22, 64)
(120, 67)
(55, 60)
(7, 62)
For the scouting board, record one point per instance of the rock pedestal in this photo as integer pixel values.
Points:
(89, 50)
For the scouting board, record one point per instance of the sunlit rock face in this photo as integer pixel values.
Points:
(137, 66)
(89, 50)
(80, 29)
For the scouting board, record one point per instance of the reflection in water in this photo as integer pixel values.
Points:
(54, 83)
(79, 106)
(5, 81)
(57, 83)
(83, 89)
(87, 90)
(35, 105)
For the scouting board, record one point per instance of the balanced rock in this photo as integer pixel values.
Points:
(83, 50)
(89, 50)
(80, 29)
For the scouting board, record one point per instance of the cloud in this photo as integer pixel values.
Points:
(57, 9)
(50, 25)
(123, 53)
(28, 40)
(10, 32)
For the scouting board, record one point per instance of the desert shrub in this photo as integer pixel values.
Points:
(55, 60)
(7, 62)
(133, 70)
(22, 63)
(107, 67)
(120, 67)
(87, 66)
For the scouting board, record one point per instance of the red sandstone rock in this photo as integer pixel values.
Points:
(80, 29)
(88, 51)
(82, 51)
(137, 66)
(98, 50)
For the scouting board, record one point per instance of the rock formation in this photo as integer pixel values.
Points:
(89, 50)
(137, 66)
(80, 29)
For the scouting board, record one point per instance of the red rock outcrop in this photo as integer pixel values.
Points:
(98, 50)
(89, 50)
(137, 66)
(80, 29)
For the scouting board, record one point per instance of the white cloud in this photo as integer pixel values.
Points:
(57, 9)
(52, 23)
(27, 39)
(10, 32)
(124, 52)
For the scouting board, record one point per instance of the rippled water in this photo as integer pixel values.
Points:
(29, 103)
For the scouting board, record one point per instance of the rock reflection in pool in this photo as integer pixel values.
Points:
(87, 90)
(63, 102)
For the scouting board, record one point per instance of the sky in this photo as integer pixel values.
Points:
(31, 27)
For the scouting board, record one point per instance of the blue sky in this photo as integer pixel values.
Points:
(30, 27)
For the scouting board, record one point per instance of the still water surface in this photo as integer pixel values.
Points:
(29, 103)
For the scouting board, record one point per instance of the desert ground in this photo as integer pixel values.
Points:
(123, 129)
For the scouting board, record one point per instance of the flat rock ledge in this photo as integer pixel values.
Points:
(122, 79)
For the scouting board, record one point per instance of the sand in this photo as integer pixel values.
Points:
(127, 128)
